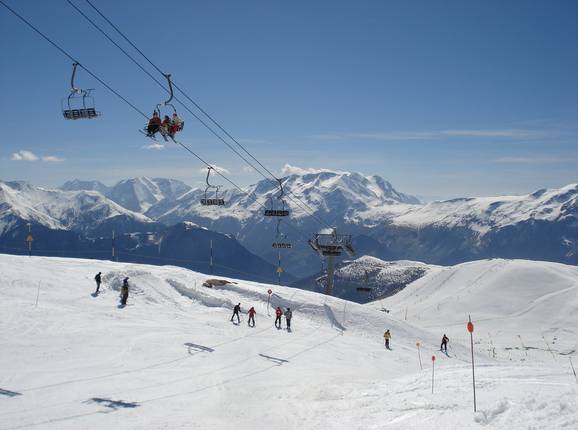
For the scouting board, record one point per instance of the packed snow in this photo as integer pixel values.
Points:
(172, 359)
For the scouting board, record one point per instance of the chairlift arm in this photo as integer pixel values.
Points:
(170, 89)
(73, 89)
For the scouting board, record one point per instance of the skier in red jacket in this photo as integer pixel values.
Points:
(251, 313)
(278, 315)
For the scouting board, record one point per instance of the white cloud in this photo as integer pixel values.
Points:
(534, 160)
(155, 146)
(24, 155)
(219, 169)
(52, 159)
(247, 169)
(436, 134)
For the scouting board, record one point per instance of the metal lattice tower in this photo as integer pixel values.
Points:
(331, 245)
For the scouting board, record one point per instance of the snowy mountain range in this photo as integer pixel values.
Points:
(384, 222)
(78, 211)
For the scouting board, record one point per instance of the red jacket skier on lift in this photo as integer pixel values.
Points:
(154, 125)
(176, 125)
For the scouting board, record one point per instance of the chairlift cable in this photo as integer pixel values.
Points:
(293, 197)
(136, 109)
(72, 58)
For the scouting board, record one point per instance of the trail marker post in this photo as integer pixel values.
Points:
(433, 366)
(29, 239)
(573, 370)
(269, 292)
(471, 330)
(419, 355)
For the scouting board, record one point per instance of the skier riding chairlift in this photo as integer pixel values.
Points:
(168, 127)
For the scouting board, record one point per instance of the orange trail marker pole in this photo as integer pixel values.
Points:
(471, 330)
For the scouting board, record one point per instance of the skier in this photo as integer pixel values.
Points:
(154, 125)
(387, 337)
(444, 345)
(176, 123)
(278, 314)
(124, 292)
(288, 315)
(166, 125)
(236, 311)
(251, 313)
(98, 280)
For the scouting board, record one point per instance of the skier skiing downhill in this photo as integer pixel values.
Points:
(278, 315)
(124, 292)
(98, 280)
(387, 337)
(236, 311)
(444, 345)
(251, 313)
(288, 316)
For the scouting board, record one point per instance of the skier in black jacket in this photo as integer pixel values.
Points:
(124, 292)
(98, 280)
(444, 345)
(236, 311)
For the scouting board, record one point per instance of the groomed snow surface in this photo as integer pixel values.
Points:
(172, 359)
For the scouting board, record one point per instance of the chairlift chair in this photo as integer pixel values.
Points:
(209, 201)
(79, 104)
(272, 211)
(160, 113)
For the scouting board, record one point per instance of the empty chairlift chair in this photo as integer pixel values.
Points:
(79, 104)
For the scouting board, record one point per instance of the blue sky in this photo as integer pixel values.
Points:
(443, 99)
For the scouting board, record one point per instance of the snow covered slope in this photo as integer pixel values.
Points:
(57, 209)
(516, 302)
(172, 360)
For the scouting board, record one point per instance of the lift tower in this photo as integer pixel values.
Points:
(331, 245)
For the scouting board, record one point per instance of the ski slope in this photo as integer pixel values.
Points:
(172, 360)
(524, 308)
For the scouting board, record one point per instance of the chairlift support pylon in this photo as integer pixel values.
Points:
(331, 245)
(79, 104)
(272, 211)
(215, 201)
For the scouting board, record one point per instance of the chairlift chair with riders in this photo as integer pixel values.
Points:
(212, 201)
(79, 104)
(272, 210)
(158, 110)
